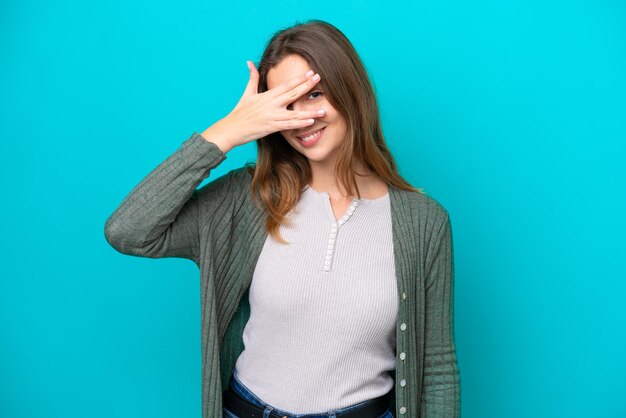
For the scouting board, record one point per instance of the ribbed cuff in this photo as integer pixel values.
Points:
(209, 152)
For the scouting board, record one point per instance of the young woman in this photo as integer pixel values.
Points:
(326, 278)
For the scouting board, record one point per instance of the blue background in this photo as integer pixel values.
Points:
(511, 114)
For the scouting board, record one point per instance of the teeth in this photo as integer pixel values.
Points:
(312, 136)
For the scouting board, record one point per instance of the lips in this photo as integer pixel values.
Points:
(314, 140)
(309, 133)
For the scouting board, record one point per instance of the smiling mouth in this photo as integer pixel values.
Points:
(311, 137)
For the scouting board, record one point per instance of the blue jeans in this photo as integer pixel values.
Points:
(241, 389)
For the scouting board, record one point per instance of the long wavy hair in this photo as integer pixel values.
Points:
(281, 173)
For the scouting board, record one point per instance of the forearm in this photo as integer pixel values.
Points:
(143, 224)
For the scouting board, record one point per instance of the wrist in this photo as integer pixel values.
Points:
(219, 137)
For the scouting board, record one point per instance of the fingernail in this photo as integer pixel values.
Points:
(321, 112)
(309, 73)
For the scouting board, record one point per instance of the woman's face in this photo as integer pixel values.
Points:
(320, 151)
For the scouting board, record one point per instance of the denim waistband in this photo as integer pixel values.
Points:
(241, 389)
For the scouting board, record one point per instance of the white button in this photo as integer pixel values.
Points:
(330, 246)
(326, 268)
(403, 326)
(403, 295)
(350, 211)
(402, 382)
(327, 262)
(341, 221)
(403, 410)
(402, 355)
(331, 241)
(330, 251)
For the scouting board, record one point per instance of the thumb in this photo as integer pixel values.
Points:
(253, 83)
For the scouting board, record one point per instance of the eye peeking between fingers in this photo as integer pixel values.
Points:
(318, 93)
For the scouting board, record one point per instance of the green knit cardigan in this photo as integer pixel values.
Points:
(219, 227)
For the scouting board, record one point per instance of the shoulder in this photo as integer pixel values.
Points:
(234, 179)
(420, 206)
(242, 175)
(424, 219)
(241, 178)
(223, 190)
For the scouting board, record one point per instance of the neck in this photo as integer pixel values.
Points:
(323, 180)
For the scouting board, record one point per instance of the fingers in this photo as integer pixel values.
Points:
(287, 125)
(299, 119)
(306, 114)
(296, 87)
(292, 95)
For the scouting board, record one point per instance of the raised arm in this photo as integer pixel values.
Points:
(442, 384)
(159, 217)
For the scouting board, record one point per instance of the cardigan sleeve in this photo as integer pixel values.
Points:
(441, 386)
(159, 217)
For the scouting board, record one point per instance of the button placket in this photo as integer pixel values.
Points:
(403, 358)
(334, 230)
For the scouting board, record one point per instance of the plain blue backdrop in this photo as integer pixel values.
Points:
(511, 114)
